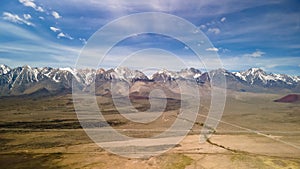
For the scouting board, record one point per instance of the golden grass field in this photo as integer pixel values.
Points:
(254, 132)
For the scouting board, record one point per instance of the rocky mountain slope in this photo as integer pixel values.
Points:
(28, 80)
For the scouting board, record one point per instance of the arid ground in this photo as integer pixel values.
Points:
(255, 132)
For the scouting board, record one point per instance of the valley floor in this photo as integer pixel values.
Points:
(255, 132)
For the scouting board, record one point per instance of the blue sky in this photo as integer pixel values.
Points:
(245, 34)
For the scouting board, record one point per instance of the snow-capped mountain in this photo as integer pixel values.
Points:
(26, 80)
(126, 74)
(166, 75)
(256, 76)
(4, 69)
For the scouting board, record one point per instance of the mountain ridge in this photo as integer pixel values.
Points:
(26, 79)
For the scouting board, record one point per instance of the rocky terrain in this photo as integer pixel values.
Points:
(31, 80)
(290, 98)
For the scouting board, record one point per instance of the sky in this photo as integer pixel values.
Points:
(244, 34)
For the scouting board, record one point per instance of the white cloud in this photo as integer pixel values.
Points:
(30, 3)
(15, 19)
(62, 35)
(42, 18)
(54, 29)
(55, 15)
(214, 30)
(212, 49)
(121, 6)
(27, 16)
(224, 50)
(255, 54)
(223, 19)
(50, 53)
(40, 9)
(83, 40)
(202, 27)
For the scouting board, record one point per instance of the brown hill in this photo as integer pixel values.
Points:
(291, 98)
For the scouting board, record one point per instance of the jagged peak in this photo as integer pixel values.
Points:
(126, 70)
(4, 69)
(219, 71)
(253, 74)
(125, 73)
(122, 68)
(100, 71)
(250, 75)
(254, 70)
(68, 69)
(191, 69)
(4, 66)
(26, 67)
(165, 71)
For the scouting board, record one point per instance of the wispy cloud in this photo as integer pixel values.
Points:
(276, 65)
(223, 19)
(255, 54)
(83, 40)
(55, 15)
(32, 4)
(16, 19)
(236, 26)
(212, 49)
(263, 29)
(224, 50)
(54, 29)
(63, 35)
(21, 52)
(214, 30)
(202, 27)
(27, 16)
(203, 8)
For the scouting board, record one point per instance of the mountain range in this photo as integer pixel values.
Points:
(28, 80)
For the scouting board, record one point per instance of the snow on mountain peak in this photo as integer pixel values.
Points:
(26, 67)
(254, 71)
(254, 75)
(165, 71)
(239, 75)
(68, 69)
(190, 73)
(84, 77)
(125, 73)
(257, 75)
(72, 71)
(4, 69)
